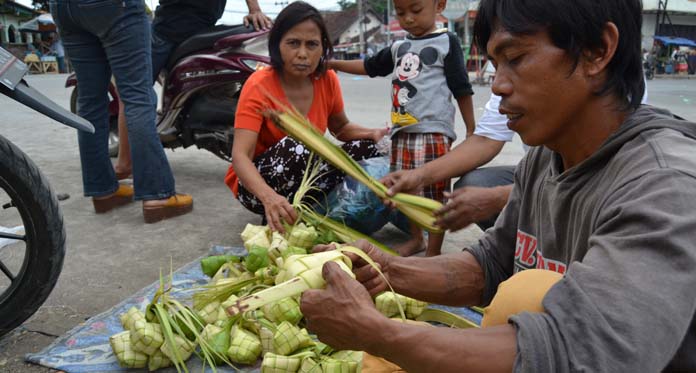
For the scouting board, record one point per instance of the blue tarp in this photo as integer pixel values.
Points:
(670, 40)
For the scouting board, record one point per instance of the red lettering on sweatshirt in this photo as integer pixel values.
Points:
(550, 264)
(525, 250)
(528, 255)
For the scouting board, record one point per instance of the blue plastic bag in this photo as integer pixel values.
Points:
(358, 207)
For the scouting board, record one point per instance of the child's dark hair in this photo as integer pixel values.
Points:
(292, 15)
(576, 26)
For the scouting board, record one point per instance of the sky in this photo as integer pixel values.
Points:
(236, 9)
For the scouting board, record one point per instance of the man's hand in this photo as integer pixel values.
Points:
(258, 19)
(343, 315)
(470, 205)
(278, 210)
(364, 272)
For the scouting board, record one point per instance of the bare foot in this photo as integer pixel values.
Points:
(410, 247)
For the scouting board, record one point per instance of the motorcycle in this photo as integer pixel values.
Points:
(201, 86)
(649, 70)
(32, 236)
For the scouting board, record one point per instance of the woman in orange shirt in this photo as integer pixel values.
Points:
(267, 166)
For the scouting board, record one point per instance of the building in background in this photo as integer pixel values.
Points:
(344, 29)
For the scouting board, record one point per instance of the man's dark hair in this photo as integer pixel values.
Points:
(575, 26)
(292, 15)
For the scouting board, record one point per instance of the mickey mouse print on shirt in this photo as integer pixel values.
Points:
(408, 68)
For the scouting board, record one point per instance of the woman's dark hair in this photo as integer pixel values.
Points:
(576, 26)
(292, 15)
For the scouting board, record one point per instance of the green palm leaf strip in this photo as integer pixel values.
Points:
(419, 209)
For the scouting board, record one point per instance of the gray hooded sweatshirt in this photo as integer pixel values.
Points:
(621, 226)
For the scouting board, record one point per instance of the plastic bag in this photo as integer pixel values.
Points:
(358, 207)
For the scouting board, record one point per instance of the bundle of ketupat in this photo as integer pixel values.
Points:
(419, 209)
(271, 326)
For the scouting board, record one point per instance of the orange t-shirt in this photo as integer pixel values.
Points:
(252, 101)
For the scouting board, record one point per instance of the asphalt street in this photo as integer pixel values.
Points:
(111, 256)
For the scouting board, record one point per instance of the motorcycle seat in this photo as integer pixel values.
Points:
(205, 40)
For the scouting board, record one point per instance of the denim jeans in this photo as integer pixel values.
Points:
(101, 37)
(487, 177)
(161, 50)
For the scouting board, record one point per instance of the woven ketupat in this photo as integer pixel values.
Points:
(146, 337)
(209, 313)
(273, 363)
(386, 303)
(157, 361)
(293, 250)
(130, 317)
(309, 365)
(288, 338)
(414, 307)
(285, 309)
(126, 356)
(266, 336)
(302, 236)
(183, 346)
(245, 347)
(251, 230)
(330, 365)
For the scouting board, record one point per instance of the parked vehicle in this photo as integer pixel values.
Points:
(32, 237)
(649, 70)
(200, 88)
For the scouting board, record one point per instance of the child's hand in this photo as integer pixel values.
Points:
(404, 181)
(378, 134)
(331, 64)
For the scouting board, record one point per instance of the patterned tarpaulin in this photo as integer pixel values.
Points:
(85, 348)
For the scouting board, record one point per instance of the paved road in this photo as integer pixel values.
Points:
(111, 256)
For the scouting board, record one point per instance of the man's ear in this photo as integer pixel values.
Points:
(597, 60)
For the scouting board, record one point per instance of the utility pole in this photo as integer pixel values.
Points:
(361, 25)
(388, 22)
(467, 37)
(660, 28)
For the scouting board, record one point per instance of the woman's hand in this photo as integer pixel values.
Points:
(278, 210)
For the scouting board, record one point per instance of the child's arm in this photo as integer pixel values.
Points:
(458, 83)
(356, 67)
(466, 107)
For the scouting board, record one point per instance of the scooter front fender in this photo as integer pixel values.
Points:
(32, 98)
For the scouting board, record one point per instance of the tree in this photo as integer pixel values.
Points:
(379, 6)
(345, 4)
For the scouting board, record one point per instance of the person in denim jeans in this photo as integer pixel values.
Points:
(113, 36)
(174, 22)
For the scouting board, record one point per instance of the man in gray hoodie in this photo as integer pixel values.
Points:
(607, 198)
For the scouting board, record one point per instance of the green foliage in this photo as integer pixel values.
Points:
(40, 4)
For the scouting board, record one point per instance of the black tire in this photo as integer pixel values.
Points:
(37, 207)
(113, 126)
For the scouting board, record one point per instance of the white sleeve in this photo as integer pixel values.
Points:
(492, 124)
